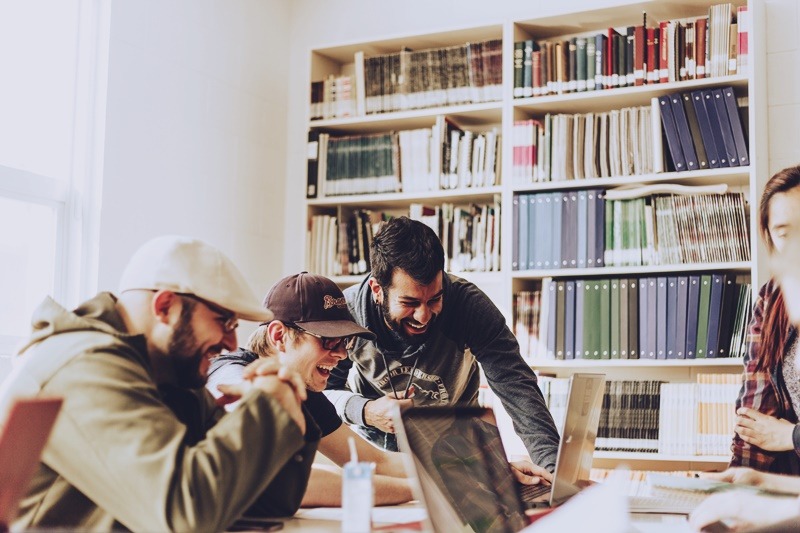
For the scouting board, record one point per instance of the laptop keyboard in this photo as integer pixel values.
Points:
(678, 502)
(529, 493)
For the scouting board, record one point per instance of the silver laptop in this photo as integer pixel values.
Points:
(464, 478)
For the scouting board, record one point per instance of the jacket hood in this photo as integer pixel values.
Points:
(98, 314)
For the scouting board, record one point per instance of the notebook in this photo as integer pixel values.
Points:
(464, 479)
(23, 436)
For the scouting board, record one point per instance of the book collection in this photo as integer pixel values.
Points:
(650, 416)
(676, 50)
(703, 129)
(661, 317)
(412, 79)
(651, 184)
(442, 157)
(470, 237)
(584, 229)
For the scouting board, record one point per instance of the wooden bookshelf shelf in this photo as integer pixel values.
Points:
(464, 115)
(721, 362)
(744, 266)
(396, 200)
(733, 176)
(589, 102)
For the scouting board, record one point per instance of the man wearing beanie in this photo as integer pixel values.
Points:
(310, 333)
(140, 444)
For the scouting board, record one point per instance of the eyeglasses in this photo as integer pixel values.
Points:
(329, 343)
(227, 319)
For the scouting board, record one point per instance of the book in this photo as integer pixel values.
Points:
(684, 133)
(519, 84)
(671, 133)
(312, 157)
(739, 138)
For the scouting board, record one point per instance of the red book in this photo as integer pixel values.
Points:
(663, 72)
(610, 80)
(536, 67)
(638, 55)
(701, 33)
(652, 55)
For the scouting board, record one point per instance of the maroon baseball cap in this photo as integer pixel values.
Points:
(314, 303)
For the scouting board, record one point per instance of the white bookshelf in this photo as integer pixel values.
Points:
(501, 286)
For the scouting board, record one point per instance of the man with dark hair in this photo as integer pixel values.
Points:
(432, 329)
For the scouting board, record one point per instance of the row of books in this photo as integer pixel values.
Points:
(443, 156)
(584, 229)
(662, 317)
(562, 147)
(676, 50)
(651, 416)
(413, 79)
(703, 129)
(470, 237)
(698, 418)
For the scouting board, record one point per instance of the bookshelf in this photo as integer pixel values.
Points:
(497, 111)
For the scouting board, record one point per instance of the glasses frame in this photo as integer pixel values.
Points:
(328, 343)
(230, 320)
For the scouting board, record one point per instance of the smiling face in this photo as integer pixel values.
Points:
(304, 354)
(409, 308)
(198, 336)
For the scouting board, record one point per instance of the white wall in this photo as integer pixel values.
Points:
(318, 24)
(195, 130)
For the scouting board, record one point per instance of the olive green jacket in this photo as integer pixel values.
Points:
(124, 454)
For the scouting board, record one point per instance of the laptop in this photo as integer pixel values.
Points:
(464, 479)
(23, 436)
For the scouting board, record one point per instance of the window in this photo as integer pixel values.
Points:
(52, 100)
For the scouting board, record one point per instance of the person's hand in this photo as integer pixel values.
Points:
(743, 510)
(280, 389)
(269, 366)
(529, 473)
(737, 474)
(378, 413)
(764, 431)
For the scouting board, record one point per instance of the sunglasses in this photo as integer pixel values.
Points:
(227, 319)
(329, 343)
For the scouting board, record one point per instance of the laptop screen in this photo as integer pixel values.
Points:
(461, 459)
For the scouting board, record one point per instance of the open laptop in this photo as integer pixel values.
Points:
(23, 436)
(464, 478)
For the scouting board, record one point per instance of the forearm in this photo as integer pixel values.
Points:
(780, 483)
(325, 488)
(349, 405)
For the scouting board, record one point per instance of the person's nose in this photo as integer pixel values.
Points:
(422, 314)
(340, 352)
(229, 341)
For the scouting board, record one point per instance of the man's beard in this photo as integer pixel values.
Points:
(184, 354)
(396, 326)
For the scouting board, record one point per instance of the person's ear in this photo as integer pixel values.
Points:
(163, 302)
(377, 290)
(277, 334)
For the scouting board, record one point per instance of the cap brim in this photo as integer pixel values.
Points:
(336, 328)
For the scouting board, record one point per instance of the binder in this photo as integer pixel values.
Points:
(714, 314)
(692, 307)
(523, 231)
(555, 201)
(624, 320)
(583, 229)
(591, 319)
(671, 132)
(536, 230)
(551, 319)
(605, 319)
(541, 247)
(702, 316)
(644, 331)
(652, 316)
(561, 308)
(569, 320)
(694, 130)
(739, 138)
(633, 318)
(580, 295)
(614, 323)
(312, 155)
(569, 235)
(684, 133)
(672, 318)
(661, 317)
(600, 228)
(681, 304)
(706, 134)
(730, 302)
(716, 131)
(725, 127)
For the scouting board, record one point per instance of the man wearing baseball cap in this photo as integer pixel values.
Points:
(140, 444)
(310, 333)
